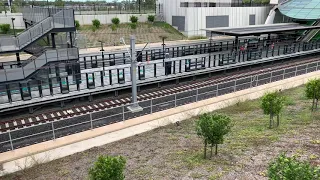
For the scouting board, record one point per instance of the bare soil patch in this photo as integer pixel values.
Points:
(145, 32)
(175, 152)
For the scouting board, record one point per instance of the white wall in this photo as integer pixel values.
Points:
(238, 16)
(6, 19)
(195, 17)
(106, 19)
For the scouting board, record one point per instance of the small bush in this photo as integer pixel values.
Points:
(5, 28)
(96, 23)
(108, 168)
(151, 18)
(113, 27)
(289, 168)
(115, 21)
(93, 28)
(134, 19)
(133, 25)
(77, 24)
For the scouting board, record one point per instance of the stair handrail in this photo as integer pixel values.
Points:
(48, 56)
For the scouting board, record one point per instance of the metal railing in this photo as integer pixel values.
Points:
(62, 19)
(53, 129)
(49, 56)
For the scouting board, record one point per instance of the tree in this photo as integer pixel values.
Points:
(96, 23)
(151, 18)
(108, 168)
(272, 104)
(5, 28)
(77, 24)
(115, 21)
(212, 128)
(59, 3)
(134, 19)
(312, 91)
(284, 167)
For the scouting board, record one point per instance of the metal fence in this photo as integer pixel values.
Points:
(14, 139)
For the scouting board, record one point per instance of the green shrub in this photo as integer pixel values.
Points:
(96, 23)
(113, 27)
(115, 21)
(284, 167)
(77, 24)
(134, 19)
(5, 28)
(151, 18)
(133, 25)
(108, 168)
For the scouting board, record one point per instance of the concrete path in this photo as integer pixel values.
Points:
(47, 151)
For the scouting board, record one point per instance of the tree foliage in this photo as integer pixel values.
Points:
(290, 168)
(77, 24)
(134, 19)
(115, 21)
(96, 23)
(151, 18)
(108, 168)
(211, 128)
(272, 104)
(59, 3)
(5, 28)
(133, 25)
(312, 91)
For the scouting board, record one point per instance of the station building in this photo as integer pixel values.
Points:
(190, 16)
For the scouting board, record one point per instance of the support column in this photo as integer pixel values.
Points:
(53, 40)
(18, 58)
(71, 42)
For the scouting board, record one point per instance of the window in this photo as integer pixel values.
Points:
(197, 4)
(212, 4)
(184, 4)
(205, 4)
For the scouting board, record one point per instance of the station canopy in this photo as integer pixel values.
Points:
(301, 9)
(260, 29)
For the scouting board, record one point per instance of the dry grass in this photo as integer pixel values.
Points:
(175, 152)
(145, 32)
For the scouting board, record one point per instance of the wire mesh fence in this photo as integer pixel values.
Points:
(53, 129)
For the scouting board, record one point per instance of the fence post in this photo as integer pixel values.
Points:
(175, 100)
(295, 74)
(91, 124)
(151, 106)
(10, 140)
(123, 113)
(235, 86)
(197, 95)
(54, 136)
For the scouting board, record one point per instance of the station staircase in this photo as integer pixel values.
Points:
(310, 34)
(43, 21)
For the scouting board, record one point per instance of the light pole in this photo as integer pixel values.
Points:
(163, 37)
(14, 31)
(15, 35)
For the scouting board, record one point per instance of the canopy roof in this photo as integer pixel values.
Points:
(260, 29)
(301, 9)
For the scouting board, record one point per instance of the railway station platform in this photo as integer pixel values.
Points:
(114, 78)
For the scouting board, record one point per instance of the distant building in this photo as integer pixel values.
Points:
(189, 16)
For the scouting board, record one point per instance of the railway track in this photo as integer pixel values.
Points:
(112, 103)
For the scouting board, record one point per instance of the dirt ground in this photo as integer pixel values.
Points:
(144, 33)
(175, 152)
